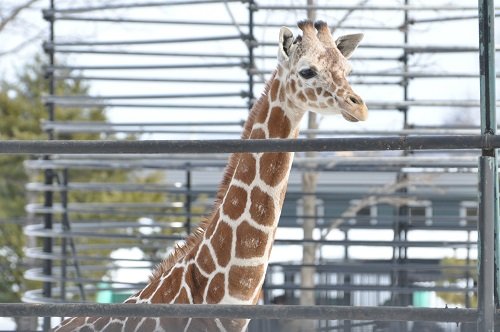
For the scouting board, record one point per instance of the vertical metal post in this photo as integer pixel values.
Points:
(487, 211)
(49, 175)
(64, 240)
(488, 178)
(188, 198)
(251, 59)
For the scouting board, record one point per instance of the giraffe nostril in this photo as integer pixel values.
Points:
(355, 100)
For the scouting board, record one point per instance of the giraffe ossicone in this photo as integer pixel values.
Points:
(225, 259)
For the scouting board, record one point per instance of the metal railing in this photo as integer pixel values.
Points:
(65, 261)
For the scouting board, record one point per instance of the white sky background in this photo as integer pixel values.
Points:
(453, 33)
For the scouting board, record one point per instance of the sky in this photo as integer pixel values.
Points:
(452, 33)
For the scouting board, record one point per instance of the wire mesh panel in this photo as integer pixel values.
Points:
(395, 218)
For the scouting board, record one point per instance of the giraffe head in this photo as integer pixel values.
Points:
(316, 69)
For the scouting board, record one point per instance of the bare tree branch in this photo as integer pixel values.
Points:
(22, 45)
(380, 196)
(15, 13)
(349, 12)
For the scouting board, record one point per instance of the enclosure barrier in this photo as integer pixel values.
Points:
(244, 311)
(409, 143)
(118, 155)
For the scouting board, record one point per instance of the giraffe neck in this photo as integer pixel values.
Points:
(229, 260)
(242, 232)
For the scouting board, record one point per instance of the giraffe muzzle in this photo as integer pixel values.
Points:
(354, 109)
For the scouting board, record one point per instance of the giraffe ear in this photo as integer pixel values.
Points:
(348, 43)
(285, 44)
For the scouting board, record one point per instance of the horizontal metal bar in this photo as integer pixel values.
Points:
(62, 124)
(153, 53)
(193, 80)
(200, 55)
(212, 23)
(142, 67)
(355, 74)
(220, 160)
(70, 103)
(84, 98)
(271, 145)
(108, 127)
(140, 5)
(150, 79)
(36, 275)
(146, 41)
(240, 311)
(396, 74)
(370, 8)
(408, 48)
(445, 19)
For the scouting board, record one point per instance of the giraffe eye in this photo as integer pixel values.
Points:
(307, 73)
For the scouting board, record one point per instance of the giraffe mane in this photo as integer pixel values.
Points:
(182, 249)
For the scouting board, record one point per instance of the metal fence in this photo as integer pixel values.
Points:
(76, 247)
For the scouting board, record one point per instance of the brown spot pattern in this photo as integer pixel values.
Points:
(196, 282)
(91, 320)
(318, 91)
(116, 327)
(301, 96)
(205, 260)
(274, 89)
(264, 108)
(149, 324)
(282, 94)
(221, 242)
(293, 86)
(250, 242)
(101, 322)
(330, 102)
(279, 124)
(213, 225)
(235, 202)
(73, 324)
(246, 168)
(258, 134)
(148, 291)
(183, 297)
(173, 324)
(311, 94)
(190, 256)
(273, 167)
(216, 289)
(243, 281)
(262, 207)
(167, 294)
(131, 323)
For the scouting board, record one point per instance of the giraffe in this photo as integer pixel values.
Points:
(225, 259)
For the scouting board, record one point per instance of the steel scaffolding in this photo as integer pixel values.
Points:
(438, 164)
